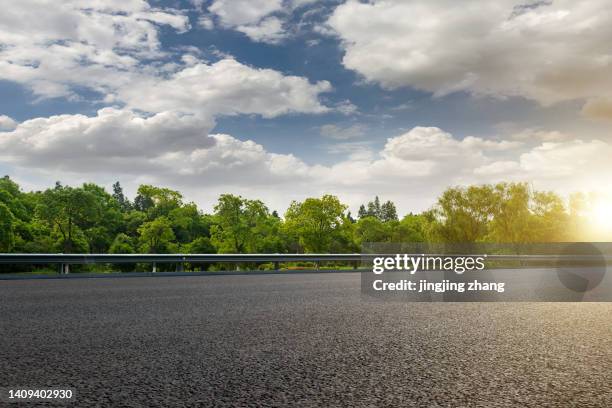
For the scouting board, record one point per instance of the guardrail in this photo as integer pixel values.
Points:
(65, 260)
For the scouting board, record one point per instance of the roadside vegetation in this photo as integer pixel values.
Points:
(89, 219)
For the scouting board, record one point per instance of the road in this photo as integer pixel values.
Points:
(296, 340)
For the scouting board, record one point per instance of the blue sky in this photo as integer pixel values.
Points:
(281, 100)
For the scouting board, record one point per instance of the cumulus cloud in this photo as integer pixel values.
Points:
(269, 30)
(177, 150)
(226, 87)
(79, 42)
(7, 123)
(243, 12)
(260, 20)
(113, 140)
(113, 48)
(545, 51)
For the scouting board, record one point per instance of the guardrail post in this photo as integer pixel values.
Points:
(276, 266)
(179, 267)
(317, 265)
(64, 269)
(154, 267)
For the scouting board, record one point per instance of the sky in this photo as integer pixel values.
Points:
(281, 100)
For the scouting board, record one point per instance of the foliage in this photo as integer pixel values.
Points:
(156, 237)
(316, 222)
(89, 219)
(244, 226)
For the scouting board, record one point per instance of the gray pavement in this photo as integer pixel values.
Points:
(296, 340)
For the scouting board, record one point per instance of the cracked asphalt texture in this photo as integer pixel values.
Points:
(296, 340)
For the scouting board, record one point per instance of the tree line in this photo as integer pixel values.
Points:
(89, 219)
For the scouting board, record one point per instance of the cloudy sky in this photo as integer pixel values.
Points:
(284, 99)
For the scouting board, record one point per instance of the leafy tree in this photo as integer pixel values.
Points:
(372, 230)
(316, 222)
(462, 215)
(362, 212)
(512, 217)
(118, 195)
(241, 225)
(67, 210)
(350, 218)
(550, 220)
(201, 245)
(388, 212)
(157, 201)
(107, 219)
(374, 208)
(156, 236)
(132, 220)
(410, 229)
(7, 228)
(143, 203)
(188, 223)
(123, 244)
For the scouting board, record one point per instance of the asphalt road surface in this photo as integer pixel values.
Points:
(296, 340)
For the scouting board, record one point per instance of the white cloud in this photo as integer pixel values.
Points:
(112, 141)
(269, 30)
(51, 46)
(260, 20)
(411, 169)
(243, 12)
(225, 87)
(545, 51)
(206, 22)
(7, 123)
(113, 48)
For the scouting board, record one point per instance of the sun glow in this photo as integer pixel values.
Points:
(602, 215)
(599, 216)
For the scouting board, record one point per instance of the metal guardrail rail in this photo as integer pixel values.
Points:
(64, 260)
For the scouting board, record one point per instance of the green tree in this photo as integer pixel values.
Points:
(106, 221)
(124, 203)
(316, 222)
(462, 215)
(550, 219)
(410, 229)
(123, 244)
(362, 211)
(67, 210)
(7, 228)
(156, 236)
(374, 208)
(132, 220)
(511, 221)
(372, 230)
(201, 245)
(242, 225)
(388, 212)
(157, 201)
(188, 223)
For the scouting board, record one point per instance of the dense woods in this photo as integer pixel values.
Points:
(89, 219)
